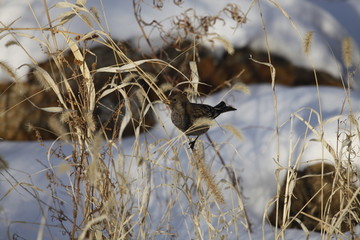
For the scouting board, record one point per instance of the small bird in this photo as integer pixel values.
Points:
(185, 115)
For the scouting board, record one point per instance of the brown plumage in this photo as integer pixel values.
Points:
(185, 113)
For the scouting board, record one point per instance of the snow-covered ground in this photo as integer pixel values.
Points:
(253, 158)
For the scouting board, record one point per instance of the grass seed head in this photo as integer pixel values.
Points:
(307, 42)
(347, 51)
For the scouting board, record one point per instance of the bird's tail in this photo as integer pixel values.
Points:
(222, 107)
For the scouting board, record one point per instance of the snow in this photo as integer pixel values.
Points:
(253, 158)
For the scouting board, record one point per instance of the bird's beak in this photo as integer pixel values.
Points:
(167, 102)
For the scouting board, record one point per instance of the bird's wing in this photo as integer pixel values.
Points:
(201, 111)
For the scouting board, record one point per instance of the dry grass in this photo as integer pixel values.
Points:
(109, 189)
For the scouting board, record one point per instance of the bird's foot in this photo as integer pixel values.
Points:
(192, 143)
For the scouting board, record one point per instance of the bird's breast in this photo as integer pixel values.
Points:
(180, 120)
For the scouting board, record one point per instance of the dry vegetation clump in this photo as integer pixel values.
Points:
(325, 196)
(319, 201)
(19, 104)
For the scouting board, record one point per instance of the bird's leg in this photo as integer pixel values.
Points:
(192, 143)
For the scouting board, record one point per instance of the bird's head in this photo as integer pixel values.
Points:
(177, 99)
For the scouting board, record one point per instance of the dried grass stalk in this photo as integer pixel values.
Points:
(206, 175)
(7, 69)
(347, 51)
